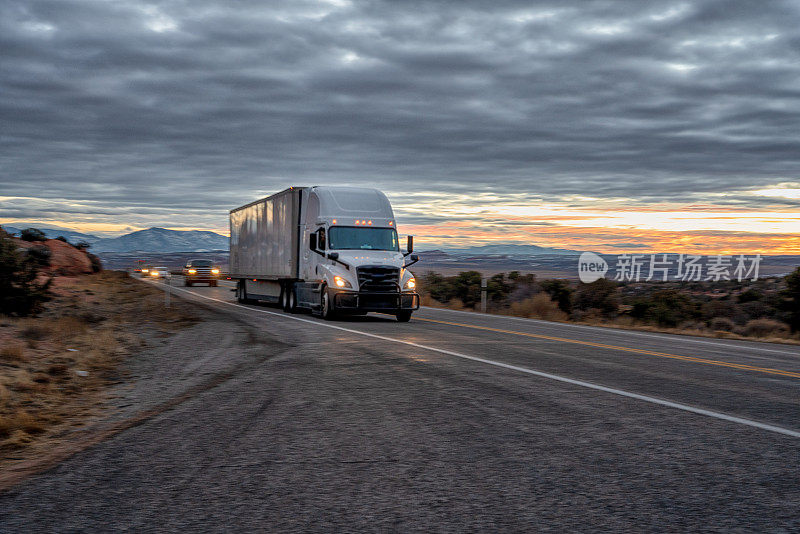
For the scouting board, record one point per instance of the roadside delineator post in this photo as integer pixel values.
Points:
(167, 292)
(484, 284)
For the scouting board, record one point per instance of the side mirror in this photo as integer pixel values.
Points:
(414, 259)
(333, 255)
(312, 241)
(410, 244)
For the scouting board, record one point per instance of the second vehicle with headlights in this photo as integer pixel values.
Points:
(200, 271)
(332, 250)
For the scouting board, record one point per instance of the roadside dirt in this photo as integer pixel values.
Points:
(55, 369)
(153, 359)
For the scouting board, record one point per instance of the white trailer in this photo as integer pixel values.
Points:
(331, 250)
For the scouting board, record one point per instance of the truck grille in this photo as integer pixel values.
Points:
(378, 278)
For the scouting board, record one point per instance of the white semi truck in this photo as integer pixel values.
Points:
(331, 250)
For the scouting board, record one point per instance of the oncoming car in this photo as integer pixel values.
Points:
(159, 273)
(200, 271)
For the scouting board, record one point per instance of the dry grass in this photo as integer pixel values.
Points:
(538, 307)
(54, 369)
(12, 353)
(766, 328)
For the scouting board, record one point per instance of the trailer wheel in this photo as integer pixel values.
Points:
(403, 316)
(285, 299)
(291, 300)
(326, 306)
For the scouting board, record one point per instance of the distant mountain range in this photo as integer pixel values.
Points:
(52, 233)
(150, 240)
(163, 240)
(507, 249)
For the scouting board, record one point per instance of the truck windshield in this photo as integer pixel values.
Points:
(350, 238)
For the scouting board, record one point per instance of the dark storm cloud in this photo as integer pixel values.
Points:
(202, 105)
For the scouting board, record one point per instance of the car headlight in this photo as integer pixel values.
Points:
(341, 282)
(145, 270)
(411, 284)
(192, 271)
(154, 273)
(214, 271)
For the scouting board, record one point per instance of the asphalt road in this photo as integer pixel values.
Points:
(452, 422)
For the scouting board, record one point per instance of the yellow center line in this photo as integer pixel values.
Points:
(625, 349)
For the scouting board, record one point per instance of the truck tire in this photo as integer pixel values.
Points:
(326, 306)
(213, 284)
(284, 302)
(291, 301)
(403, 316)
(187, 283)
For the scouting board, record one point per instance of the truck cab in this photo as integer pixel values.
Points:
(353, 255)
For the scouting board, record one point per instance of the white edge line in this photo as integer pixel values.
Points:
(663, 336)
(666, 337)
(581, 383)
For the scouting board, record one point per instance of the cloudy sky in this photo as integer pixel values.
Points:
(602, 125)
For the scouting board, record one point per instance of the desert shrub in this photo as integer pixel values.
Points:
(665, 308)
(723, 308)
(539, 307)
(765, 327)
(721, 323)
(750, 295)
(560, 292)
(32, 234)
(691, 325)
(97, 265)
(62, 239)
(599, 295)
(791, 299)
(41, 255)
(35, 332)
(20, 293)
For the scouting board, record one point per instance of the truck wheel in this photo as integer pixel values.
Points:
(403, 316)
(291, 301)
(213, 284)
(285, 299)
(187, 283)
(326, 306)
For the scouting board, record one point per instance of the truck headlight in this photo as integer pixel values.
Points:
(192, 271)
(411, 284)
(214, 271)
(341, 282)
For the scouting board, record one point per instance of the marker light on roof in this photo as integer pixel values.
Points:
(370, 222)
(391, 223)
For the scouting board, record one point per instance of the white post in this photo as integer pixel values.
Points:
(167, 280)
(484, 284)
